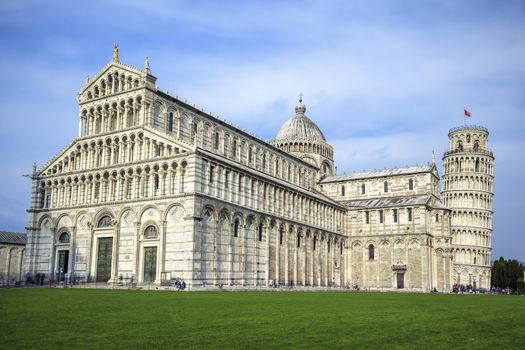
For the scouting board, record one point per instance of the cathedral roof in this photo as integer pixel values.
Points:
(380, 173)
(13, 237)
(300, 127)
(387, 202)
(284, 184)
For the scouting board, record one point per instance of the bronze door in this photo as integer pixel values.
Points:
(63, 260)
(400, 280)
(105, 250)
(150, 264)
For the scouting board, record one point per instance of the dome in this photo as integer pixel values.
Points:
(300, 127)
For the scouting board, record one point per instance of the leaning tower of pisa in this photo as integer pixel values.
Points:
(468, 177)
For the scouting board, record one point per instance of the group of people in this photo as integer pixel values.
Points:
(467, 289)
(180, 285)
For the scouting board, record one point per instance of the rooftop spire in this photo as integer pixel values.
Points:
(115, 53)
(433, 157)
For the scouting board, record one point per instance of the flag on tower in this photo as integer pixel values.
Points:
(467, 113)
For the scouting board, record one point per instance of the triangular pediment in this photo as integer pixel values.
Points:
(60, 162)
(102, 83)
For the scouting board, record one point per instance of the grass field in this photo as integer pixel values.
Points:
(103, 319)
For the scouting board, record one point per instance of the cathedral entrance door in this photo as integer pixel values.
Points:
(150, 264)
(105, 250)
(400, 280)
(63, 259)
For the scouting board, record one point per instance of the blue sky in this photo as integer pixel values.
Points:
(384, 80)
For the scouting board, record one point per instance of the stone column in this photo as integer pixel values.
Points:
(8, 263)
(295, 257)
(178, 128)
(253, 258)
(163, 247)
(80, 119)
(113, 84)
(242, 254)
(230, 250)
(119, 118)
(277, 255)
(268, 257)
(181, 181)
(304, 264)
(311, 261)
(319, 267)
(163, 185)
(325, 258)
(137, 251)
(111, 188)
(286, 256)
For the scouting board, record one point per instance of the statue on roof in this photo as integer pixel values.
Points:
(115, 53)
(147, 70)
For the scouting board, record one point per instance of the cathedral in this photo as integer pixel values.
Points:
(153, 189)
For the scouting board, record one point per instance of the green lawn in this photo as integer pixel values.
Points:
(103, 319)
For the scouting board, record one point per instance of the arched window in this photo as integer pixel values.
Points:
(477, 165)
(234, 148)
(371, 252)
(476, 145)
(216, 142)
(315, 243)
(343, 190)
(236, 228)
(260, 232)
(212, 171)
(281, 234)
(156, 182)
(363, 189)
(298, 240)
(193, 131)
(411, 184)
(468, 138)
(385, 186)
(170, 122)
(460, 146)
(409, 213)
(64, 237)
(150, 232)
(105, 221)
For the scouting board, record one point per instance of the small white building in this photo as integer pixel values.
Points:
(12, 251)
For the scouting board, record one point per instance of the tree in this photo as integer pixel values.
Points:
(505, 273)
